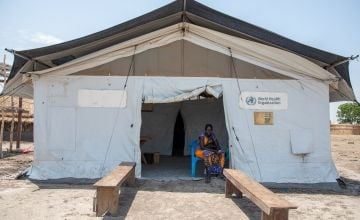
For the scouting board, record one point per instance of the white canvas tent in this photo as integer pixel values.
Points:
(79, 141)
(88, 110)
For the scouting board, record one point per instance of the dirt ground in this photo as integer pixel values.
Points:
(23, 199)
(14, 163)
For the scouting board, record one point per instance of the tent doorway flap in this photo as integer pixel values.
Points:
(179, 95)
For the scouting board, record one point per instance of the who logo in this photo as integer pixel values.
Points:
(250, 100)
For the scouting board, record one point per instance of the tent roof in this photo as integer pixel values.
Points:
(173, 13)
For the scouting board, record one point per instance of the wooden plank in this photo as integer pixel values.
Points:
(15, 110)
(131, 178)
(261, 196)
(107, 189)
(277, 214)
(107, 199)
(156, 157)
(131, 164)
(117, 176)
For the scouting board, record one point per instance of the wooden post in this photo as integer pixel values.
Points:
(107, 200)
(131, 178)
(19, 125)
(12, 124)
(2, 128)
(277, 214)
(2, 111)
(230, 189)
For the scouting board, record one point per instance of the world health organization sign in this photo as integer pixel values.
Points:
(264, 100)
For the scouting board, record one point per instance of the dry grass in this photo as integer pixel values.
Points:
(27, 106)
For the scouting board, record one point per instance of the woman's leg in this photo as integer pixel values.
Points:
(222, 160)
(207, 162)
(199, 153)
(222, 164)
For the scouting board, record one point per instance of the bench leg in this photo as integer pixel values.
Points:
(107, 200)
(131, 179)
(279, 214)
(230, 189)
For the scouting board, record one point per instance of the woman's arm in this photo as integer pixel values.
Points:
(216, 143)
(201, 140)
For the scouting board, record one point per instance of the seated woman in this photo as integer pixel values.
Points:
(211, 153)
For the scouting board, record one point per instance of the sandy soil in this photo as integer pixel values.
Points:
(22, 199)
(14, 163)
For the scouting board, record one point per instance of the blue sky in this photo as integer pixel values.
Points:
(330, 25)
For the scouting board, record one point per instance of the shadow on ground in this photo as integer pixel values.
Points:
(352, 188)
(217, 186)
(248, 207)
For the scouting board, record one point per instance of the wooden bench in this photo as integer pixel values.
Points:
(107, 188)
(272, 206)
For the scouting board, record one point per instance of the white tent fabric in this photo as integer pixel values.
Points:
(163, 90)
(255, 53)
(80, 146)
(263, 151)
(83, 142)
(182, 58)
(159, 126)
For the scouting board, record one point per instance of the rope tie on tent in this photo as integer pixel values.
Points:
(233, 67)
(253, 145)
(242, 150)
(247, 121)
(131, 67)
(132, 63)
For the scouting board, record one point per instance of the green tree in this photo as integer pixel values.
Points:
(349, 113)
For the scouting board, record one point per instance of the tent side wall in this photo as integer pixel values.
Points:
(270, 153)
(72, 141)
(83, 142)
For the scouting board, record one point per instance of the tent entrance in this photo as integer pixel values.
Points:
(171, 127)
(179, 137)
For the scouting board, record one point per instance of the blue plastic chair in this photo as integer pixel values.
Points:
(193, 146)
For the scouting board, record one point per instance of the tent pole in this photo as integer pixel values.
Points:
(352, 57)
(16, 53)
(12, 124)
(2, 114)
(19, 125)
(2, 130)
